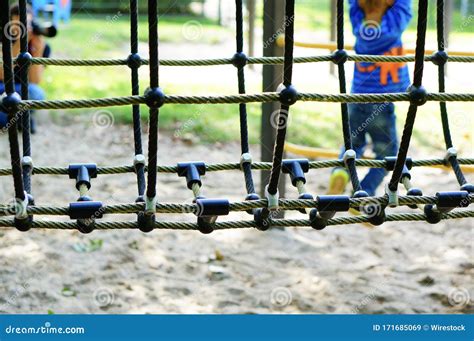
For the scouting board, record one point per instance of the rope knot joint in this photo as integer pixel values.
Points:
(289, 95)
(418, 95)
(154, 98)
(239, 60)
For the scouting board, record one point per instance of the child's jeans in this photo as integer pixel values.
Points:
(34, 92)
(378, 121)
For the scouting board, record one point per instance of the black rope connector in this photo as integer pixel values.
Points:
(24, 224)
(24, 60)
(333, 203)
(134, 61)
(212, 207)
(468, 188)
(296, 168)
(289, 95)
(379, 217)
(239, 60)
(432, 216)
(414, 192)
(146, 222)
(418, 95)
(192, 171)
(262, 219)
(439, 58)
(391, 160)
(305, 196)
(339, 57)
(405, 174)
(450, 200)
(154, 98)
(317, 222)
(252, 197)
(208, 210)
(86, 211)
(82, 173)
(11, 102)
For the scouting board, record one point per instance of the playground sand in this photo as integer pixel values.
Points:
(395, 268)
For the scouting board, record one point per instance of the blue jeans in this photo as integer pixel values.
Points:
(378, 121)
(34, 92)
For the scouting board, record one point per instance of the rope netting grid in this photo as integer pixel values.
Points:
(321, 209)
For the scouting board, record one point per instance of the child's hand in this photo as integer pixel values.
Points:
(375, 9)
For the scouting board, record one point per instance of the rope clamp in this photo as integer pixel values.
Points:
(349, 155)
(138, 160)
(27, 161)
(272, 200)
(82, 173)
(21, 207)
(245, 158)
(150, 205)
(296, 168)
(392, 196)
(192, 171)
(450, 153)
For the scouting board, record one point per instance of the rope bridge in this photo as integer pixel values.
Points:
(320, 210)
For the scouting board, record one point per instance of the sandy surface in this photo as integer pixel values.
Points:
(395, 268)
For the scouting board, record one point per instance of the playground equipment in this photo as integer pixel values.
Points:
(56, 9)
(320, 209)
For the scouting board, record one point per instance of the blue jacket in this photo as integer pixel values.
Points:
(380, 39)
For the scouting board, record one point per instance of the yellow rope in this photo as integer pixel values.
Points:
(314, 153)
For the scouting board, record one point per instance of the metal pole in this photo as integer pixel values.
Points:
(273, 25)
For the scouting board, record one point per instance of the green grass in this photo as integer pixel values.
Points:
(315, 124)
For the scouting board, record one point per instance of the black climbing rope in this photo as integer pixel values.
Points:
(11, 101)
(418, 96)
(134, 62)
(287, 97)
(239, 61)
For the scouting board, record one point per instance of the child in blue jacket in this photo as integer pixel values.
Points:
(378, 26)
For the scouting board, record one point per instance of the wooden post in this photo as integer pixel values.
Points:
(332, 34)
(273, 25)
(251, 33)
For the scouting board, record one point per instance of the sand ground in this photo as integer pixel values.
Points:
(395, 268)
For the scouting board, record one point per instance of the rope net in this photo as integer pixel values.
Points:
(320, 210)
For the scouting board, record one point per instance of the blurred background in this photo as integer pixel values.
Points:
(205, 29)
